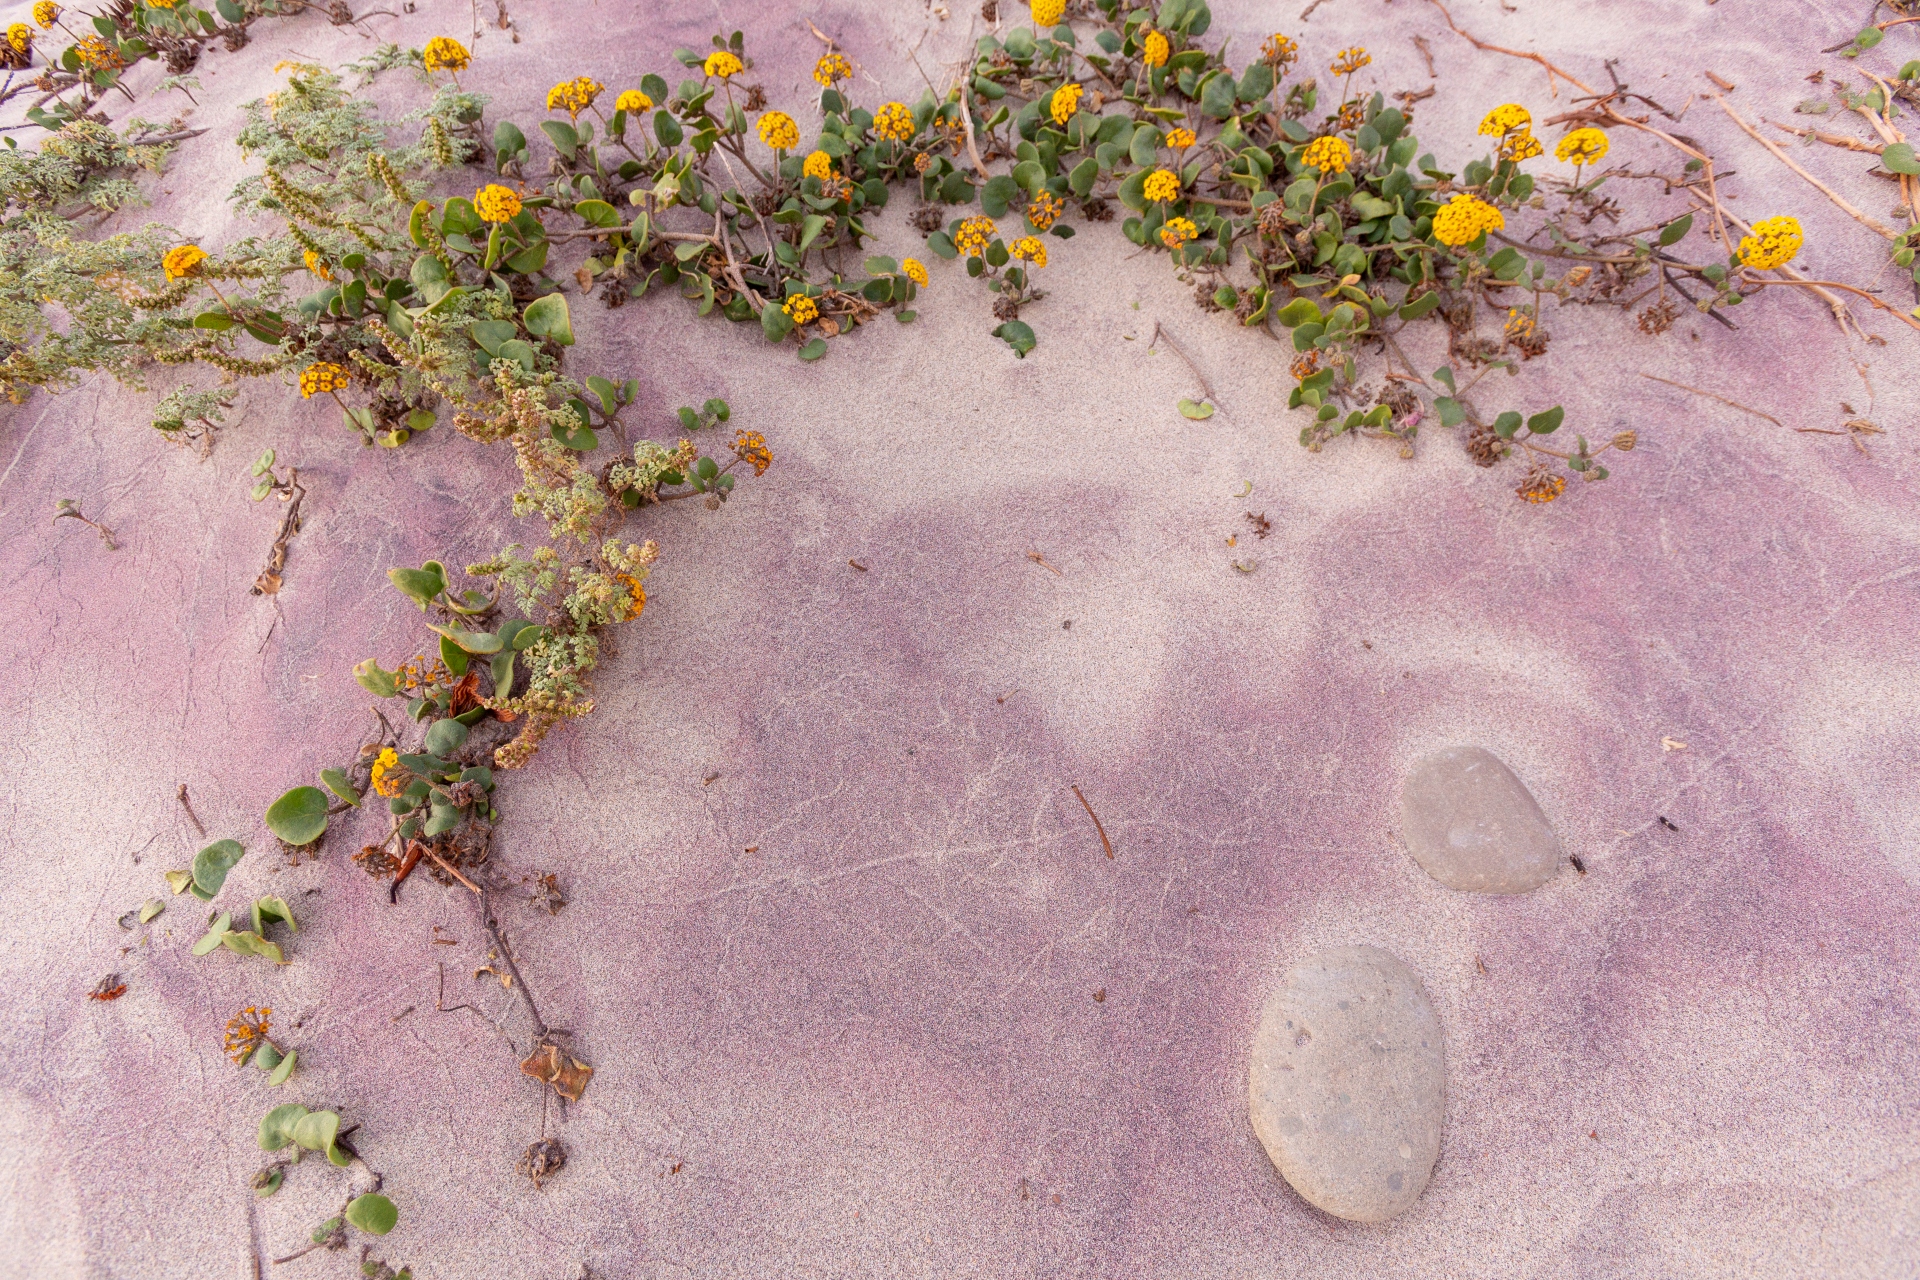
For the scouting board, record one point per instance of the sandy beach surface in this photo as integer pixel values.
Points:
(873, 1001)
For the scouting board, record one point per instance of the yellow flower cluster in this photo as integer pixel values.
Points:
(751, 447)
(1508, 118)
(1161, 184)
(1047, 13)
(322, 376)
(633, 101)
(1464, 219)
(182, 261)
(1045, 210)
(574, 96)
(914, 270)
(818, 164)
(1155, 49)
(1328, 155)
(1350, 61)
(1066, 101)
(1774, 243)
(495, 203)
(1030, 249)
(894, 121)
(974, 235)
(1542, 486)
(245, 1030)
(636, 595)
(20, 36)
(722, 64)
(1520, 146)
(1520, 326)
(318, 266)
(163, 4)
(1178, 231)
(801, 309)
(1279, 50)
(1582, 146)
(830, 69)
(1180, 139)
(46, 13)
(778, 130)
(387, 764)
(443, 53)
(98, 54)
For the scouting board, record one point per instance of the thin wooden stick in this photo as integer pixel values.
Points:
(1104, 842)
(1838, 199)
(1158, 333)
(1722, 399)
(450, 869)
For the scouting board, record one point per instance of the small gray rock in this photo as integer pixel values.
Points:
(1347, 1087)
(1473, 825)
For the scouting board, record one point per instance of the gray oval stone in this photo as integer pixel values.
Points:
(1472, 825)
(1347, 1087)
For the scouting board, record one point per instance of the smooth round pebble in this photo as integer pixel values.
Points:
(1347, 1086)
(1472, 825)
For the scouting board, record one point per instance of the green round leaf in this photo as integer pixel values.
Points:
(373, 1214)
(211, 864)
(335, 780)
(276, 1127)
(299, 816)
(445, 737)
(284, 1069)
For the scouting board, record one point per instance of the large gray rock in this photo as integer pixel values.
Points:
(1473, 825)
(1347, 1086)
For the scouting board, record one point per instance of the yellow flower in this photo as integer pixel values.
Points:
(831, 68)
(1180, 139)
(1066, 101)
(1279, 50)
(1464, 219)
(20, 36)
(818, 164)
(495, 203)
(1582, 146)
(1161, 184)
(1045, 210)
(974, 235)
(182, 261)
(162, 4)
(1178, 231)
(1351, 60)
(801, 309)
(1030, 249)
(751, 447)
(1542, 486)
(778, 131)
(388, 763)
(636, 595)
(245, 1030)
(913, 270)
(443, 53)
(1155, 49)
(895, 121)
(1774, 243)
(1047, 13)
(1506, 119)
(575, 95)
(1520, 146)
(316, 265)
(723, 64)
(633, 101)
(321, 376)
(1328, 155)
(46, 13)
(98, 54)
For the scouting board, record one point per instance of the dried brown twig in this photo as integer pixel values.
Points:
(1722, 399)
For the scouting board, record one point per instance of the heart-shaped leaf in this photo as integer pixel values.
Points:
(1198, 410)
(277, 1126)
(211, 864)
(373, 1213)
(300, 816)
(547, 318)
(444, 737)
(335, 780)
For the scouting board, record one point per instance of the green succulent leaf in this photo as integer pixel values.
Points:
(300, 816)
(373, 1213)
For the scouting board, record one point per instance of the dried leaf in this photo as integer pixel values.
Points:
(1671, 744)
(152, 907)
(267, 584)
(568, 1076)
(109, 988)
